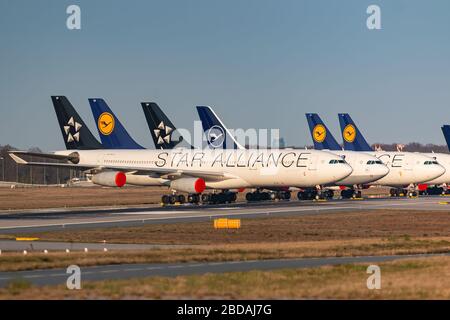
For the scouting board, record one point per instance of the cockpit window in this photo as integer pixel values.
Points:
(336, 161)
(427, 163)
(370, 162)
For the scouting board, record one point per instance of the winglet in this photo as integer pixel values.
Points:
(16, 158)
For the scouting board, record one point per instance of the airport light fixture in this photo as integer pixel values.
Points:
(3, 168)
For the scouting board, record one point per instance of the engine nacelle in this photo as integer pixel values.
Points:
(189, 185)
(110, 179)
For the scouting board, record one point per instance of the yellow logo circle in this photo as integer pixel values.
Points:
(349, 133)
(319, 133)
(106, 123)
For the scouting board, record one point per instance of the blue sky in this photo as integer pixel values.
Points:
(259, 63)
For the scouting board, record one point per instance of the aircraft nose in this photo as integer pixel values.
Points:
(380, 170)
(344, 171)
(436, 170)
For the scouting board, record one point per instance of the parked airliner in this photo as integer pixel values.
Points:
(187, 170)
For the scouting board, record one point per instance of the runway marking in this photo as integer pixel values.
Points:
(146, 213)
(109, 271)
(153, 268)
(133, 270)
(195, 265)
(57, 274)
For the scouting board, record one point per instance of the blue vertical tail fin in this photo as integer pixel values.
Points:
(446, 131)
(352, 137)
(217, 135)
(321, 136)
(112, 133)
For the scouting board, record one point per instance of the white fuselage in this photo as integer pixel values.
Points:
(366, 168)
(444, 160)
(407, 168)
(241, 168)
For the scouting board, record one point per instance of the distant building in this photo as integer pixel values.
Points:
(279, 143)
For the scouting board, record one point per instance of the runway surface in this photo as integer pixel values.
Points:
(127, 271)
(66, 219)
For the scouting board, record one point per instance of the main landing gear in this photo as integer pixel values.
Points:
(193, 198)
(267, 195)
(351, 194)
(435, 190)
(219, 198)
(196, 198)
(402, 192)
(315, 194)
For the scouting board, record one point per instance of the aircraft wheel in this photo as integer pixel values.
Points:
(181, 199)
(329, 194)
(206, 197)
(193, 198)
(232, 197)
(165, 199)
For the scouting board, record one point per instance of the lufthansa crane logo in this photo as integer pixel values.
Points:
(319, 133)
(106, 123)
(349, 133)
(216, 136)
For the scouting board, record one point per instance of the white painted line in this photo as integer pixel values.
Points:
(146, 213)
(109, 271)
(133, 270)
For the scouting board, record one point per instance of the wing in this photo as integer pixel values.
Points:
(169, 173)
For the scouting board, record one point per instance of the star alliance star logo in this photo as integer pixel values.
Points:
(72, 130)
(162, 133)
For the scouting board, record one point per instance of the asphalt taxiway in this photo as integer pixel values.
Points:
(66, 219)
(40, 246)
(128, 271)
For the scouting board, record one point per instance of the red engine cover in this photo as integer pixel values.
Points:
(422, 187)
(121, 179)
(200, 185)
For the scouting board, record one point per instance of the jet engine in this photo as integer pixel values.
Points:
(189, 185)
(110, 179)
